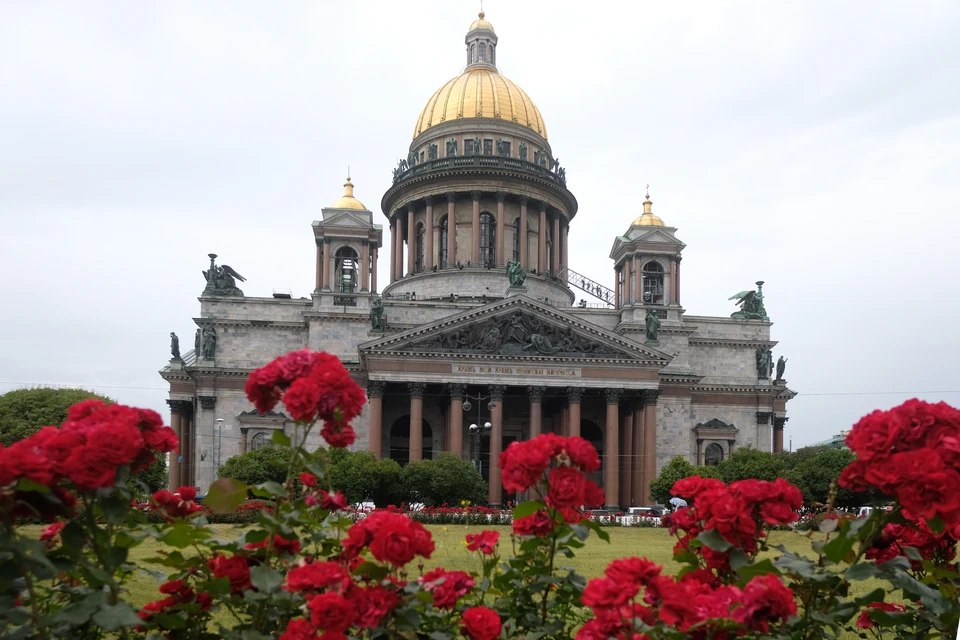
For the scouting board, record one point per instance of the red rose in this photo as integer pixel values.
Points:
(864, 621)
(485, 541)
(606, 593)
(117, 443)
(308, 480)
(874, 436)
(481, 623)
(187, 493)
(398, 539)
(26, 459)
(372, 604)
(566, 487)
(332, 501)
(162, 439)
(338, 434)
(88, 471)
(630, 571)
(691, 487)
(593, 495)
(331, 612)
(235, 569)
(539, 524)
(315, 576)
(447, 586)
(926, 487)
(522, 463)
(765, 600)
(583, 454)
(299, 629)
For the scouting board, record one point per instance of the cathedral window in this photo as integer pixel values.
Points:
(493, 55)
(444, 230)
(483, 52)
(346, 270)
(468, 149)
(516, 240)
(713, 455)
(488, 147)
(473, 53)
(652, 283)
(419, 248)
(259, 441)
(488, 240)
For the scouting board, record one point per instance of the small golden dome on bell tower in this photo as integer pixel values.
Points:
(647, 219)
(347, 201)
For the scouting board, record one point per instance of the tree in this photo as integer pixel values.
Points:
(818, 469)
(258, 466)
(677, 469)
(23, 412)
(746, 462)
(445, 479)
(355, 473)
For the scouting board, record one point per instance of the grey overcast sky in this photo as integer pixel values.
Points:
(813, 145)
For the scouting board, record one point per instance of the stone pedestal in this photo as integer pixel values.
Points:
(516, 291)
(206, 362)
(176, 364)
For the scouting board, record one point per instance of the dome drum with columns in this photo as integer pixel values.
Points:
(626, 367)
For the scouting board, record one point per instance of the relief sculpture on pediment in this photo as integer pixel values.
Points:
(515, 333)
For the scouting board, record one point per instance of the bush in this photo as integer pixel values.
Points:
(261, 465)
(444, 480)
(23, 412)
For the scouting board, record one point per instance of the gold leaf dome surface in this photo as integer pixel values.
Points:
(481, 23)
(480, 93)
(347, 201)
(647, 218)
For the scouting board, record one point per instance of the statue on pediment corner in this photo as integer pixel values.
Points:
(376, 314)
(751, 304)
(781, 367)
(221, 279)
(174, 346)
(652, 325)
(516, 274)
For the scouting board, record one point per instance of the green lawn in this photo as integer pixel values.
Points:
(451, 552)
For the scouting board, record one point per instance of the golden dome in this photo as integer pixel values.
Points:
(480, 93)
(347, 201)
(647, 219)
(480, 23)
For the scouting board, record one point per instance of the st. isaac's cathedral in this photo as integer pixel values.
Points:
(473, 339)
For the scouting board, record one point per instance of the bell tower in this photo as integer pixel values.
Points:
(647, 268)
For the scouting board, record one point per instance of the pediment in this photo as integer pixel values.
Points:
(655, 235)
(517, 328)
(346, 218)
(715, 425)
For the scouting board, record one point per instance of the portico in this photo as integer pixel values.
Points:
(542, 370)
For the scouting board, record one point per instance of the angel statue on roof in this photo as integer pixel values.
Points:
(221, 279)
(751, 304)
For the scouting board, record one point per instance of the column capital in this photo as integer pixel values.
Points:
(536, 393)
(319, 241)
(364, 243)
(763, 417)
(428, 200)
(375, 388)
(574, 394)
(501, 196)
(677, 258)
(524, 200)
(457, 391)
(327, 240)
(650, 396)
(451, 196)
(416, 389)
(476, 195)
(181, 407)
(613, 396)
(496, 392)
(207, 403)
(542, 206)
(780, 422)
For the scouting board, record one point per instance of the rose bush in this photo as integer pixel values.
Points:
(303, 569)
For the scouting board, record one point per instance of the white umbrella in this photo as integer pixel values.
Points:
(678, 502)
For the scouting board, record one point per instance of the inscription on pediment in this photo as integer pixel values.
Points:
(516, 333)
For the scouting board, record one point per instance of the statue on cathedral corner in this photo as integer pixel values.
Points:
(376, 314)
(751, 304)
(221, 279)
(652, 326)
(516, 274)
(174, 346)
(781, 367)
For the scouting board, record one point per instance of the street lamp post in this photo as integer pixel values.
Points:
(478, 430)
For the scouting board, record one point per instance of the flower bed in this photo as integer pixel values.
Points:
(301, 569)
